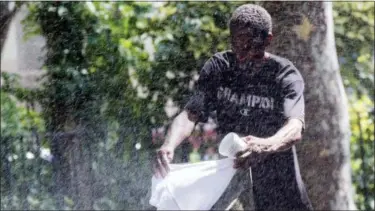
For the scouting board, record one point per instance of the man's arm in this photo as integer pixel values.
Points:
(284, 139)
(196, 110)
(293, 110)
(180, 129)
(287, 136)
(260, 148)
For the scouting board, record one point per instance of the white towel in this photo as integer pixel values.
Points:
(195, 186)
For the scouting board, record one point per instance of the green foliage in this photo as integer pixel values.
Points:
(68, 84)
(354, 33)
(22, 165)
(362, 147)
(188, 37)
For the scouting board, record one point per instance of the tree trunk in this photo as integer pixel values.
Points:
(82, 175)
(60, 167)
(72, 168)
(303, 33)
(6, 15)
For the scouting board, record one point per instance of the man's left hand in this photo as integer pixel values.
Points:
(256, 151)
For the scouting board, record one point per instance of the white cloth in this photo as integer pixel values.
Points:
(195, 186)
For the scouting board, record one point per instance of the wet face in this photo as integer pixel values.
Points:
(248, 43)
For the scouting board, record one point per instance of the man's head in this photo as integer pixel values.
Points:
(250, 30)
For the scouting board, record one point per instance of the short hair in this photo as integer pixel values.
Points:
(251, 15)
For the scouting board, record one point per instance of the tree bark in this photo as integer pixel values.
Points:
(82, 178)
(60, 167)
(303, 33)
(6, 15)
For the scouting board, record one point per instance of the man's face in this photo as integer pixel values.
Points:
(248, 43)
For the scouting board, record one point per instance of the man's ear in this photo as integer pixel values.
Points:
(268, 39)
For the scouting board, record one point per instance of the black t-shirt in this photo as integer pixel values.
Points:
(255, 100)
(252, 100)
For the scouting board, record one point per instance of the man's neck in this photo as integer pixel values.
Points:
(254, 64)
(255, 58)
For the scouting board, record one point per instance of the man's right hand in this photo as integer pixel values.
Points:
(161, 160)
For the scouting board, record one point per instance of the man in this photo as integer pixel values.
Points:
(259, 96)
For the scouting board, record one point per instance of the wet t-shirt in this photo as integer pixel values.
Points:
(256, 99)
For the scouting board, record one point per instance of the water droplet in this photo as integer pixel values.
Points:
(138, 146)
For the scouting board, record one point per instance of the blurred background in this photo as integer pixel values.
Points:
(89, 89)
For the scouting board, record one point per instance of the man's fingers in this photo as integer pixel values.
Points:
(246, 154)
(159, 153)
(156, 166)
(243, 154)
(161, 163)
(247, 139)
(164, 162)
(161, 168)
(156, 171)
(162, 157)
(240, 153)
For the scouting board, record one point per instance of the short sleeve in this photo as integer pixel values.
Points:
(203, 100)
(292, 95)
